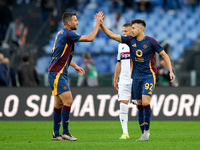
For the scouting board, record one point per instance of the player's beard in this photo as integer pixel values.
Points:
(74, 28)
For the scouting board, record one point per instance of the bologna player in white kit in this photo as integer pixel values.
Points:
(123, 71)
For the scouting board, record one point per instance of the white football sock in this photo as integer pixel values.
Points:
(123, 117)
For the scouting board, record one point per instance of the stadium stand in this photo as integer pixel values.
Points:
(180, 28)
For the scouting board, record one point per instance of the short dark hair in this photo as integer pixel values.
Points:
(127, 24)
(139, 21)
(67, 16)
(87, 55)
(25, 58)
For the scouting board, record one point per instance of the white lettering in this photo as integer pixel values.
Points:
(102, 104)
(187, 106)
(32, 105)
(88, 106)
(76, 105)
(197, 106)
(156, 105)
(174, 99)
(43, 106)
(111, 108)
(14, 110)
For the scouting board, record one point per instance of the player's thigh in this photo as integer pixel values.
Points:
(124, 92)
(66, 98)
(136, 90)
(58, 102)
(148, 86)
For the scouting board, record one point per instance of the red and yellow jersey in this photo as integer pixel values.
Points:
(63, 50)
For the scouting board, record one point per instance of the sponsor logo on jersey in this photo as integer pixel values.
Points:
(145, 46)
(139, 53)
(134, 45)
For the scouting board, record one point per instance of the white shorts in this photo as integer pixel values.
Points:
(124, 92)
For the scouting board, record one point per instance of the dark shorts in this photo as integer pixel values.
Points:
(58, 82)
(142, 87)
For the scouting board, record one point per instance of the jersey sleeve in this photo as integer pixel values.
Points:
(118, 54)
(126, 39)
(74, 37)
(156, 46)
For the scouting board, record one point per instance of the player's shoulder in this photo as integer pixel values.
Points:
(151, 39)
(123, 46)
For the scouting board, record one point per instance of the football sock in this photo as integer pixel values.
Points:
(65, 118)
(123, 117)
(56, 121)
(141, 117)
(147, 116)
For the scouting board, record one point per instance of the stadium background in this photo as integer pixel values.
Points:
(175, 25)
(25, 112)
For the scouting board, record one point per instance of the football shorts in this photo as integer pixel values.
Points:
(142, 87)
(124, 92)
(58, 83)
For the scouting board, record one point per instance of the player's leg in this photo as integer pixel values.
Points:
(57, 118)
(148, 87)
(147, 115)
(137, 94)
(140, 115)
(57, 107)
(124, 96)
(123, 117)
(67, 100)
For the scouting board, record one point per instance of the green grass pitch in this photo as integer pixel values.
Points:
(99, 135)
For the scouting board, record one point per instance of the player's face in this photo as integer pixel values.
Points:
(126, 31)
(135, 30)
(74, 23)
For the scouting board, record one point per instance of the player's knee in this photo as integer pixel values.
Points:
(139, 102)
(124, 101)
(145, 103)
(68, 102)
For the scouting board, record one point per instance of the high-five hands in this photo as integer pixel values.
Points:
(99, 17)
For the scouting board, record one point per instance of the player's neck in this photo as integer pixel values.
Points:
(140, 37)
(67, 27)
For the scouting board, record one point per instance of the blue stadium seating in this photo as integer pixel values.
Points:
(43, 64)
(179, 28)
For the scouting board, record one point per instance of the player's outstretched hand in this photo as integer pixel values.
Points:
(172, 77)
(99, 17)
(116, 85)
(80, 70)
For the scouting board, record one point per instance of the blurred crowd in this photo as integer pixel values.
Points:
(14, 30)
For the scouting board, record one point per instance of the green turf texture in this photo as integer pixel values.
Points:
(99, 135)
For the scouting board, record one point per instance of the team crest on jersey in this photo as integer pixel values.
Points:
(145, 46)
(64, 87)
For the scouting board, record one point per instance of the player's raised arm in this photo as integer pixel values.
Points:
(110, 34)
(168, 62)
(92, 35)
